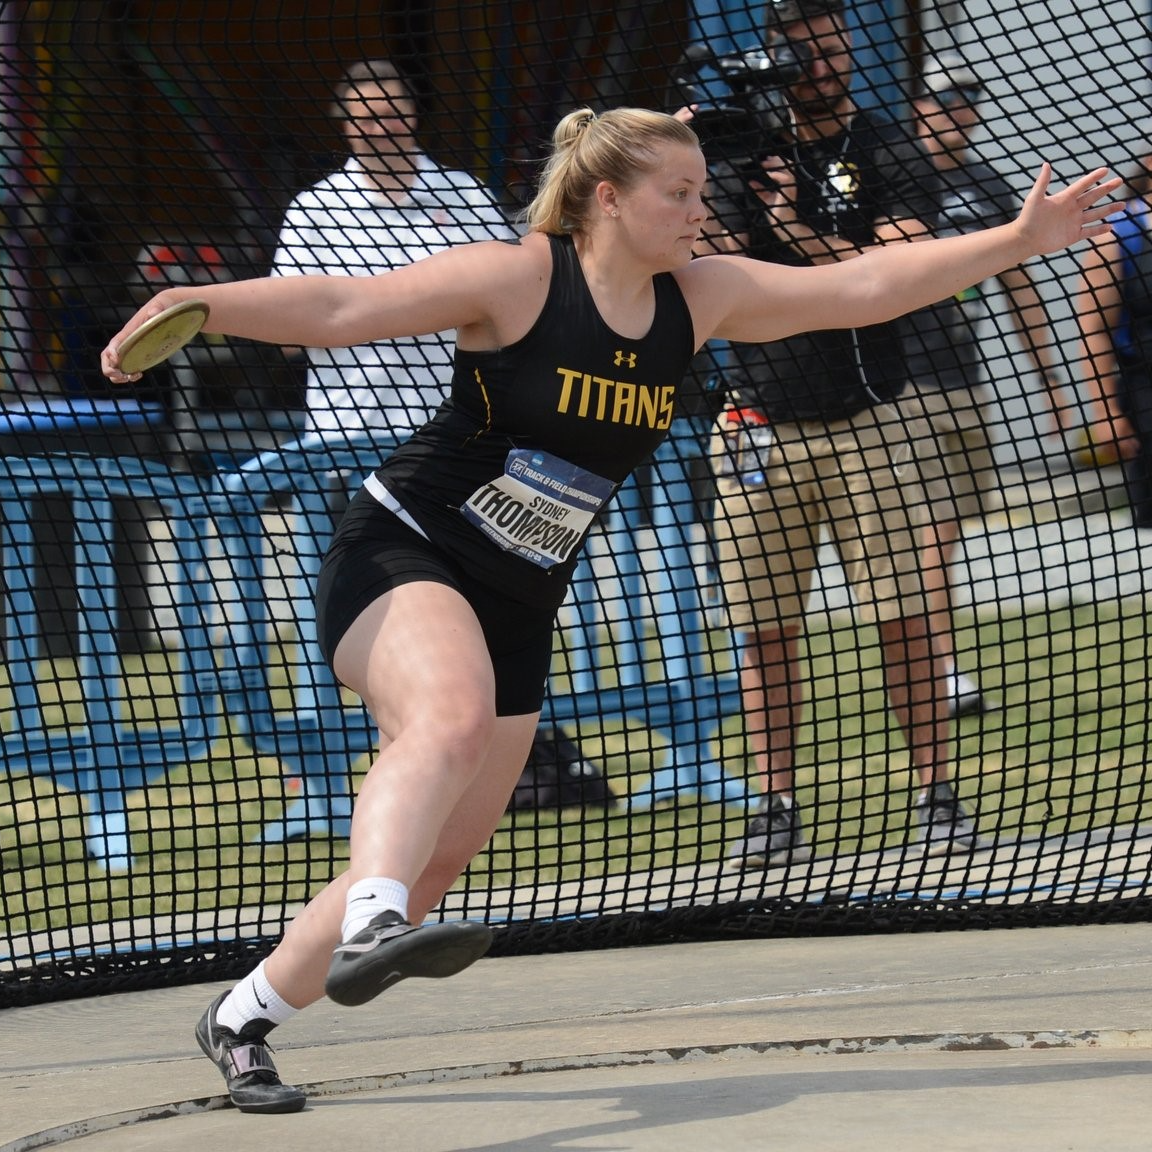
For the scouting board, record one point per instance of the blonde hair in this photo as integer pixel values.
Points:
(618, 146)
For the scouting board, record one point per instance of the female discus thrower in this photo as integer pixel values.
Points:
(437, 599)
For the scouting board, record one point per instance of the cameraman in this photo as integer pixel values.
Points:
(810, 440)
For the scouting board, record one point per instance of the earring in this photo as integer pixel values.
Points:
(615, 214)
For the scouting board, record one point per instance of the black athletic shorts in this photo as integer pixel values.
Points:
(374, 551)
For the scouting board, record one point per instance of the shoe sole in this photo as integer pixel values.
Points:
(780, 860)
(432, 952)
(952, 847)
(293, 1103)
(283, 1108)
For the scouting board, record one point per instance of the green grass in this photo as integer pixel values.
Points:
(1067, 752)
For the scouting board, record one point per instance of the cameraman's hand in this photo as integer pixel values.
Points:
(776, 190)
(686, 114)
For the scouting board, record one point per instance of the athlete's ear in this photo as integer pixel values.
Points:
(606, 200)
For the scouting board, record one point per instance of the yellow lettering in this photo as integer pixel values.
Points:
(646, 408)
(585, 393)
(625, 407)
(604, 390)
(618, 401)
(568, 377)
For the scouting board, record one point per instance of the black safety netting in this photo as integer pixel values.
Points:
(179, 763)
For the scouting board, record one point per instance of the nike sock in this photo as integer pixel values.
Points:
(253, 999)
(368, 898)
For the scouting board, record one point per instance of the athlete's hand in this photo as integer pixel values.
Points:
(1050, 221)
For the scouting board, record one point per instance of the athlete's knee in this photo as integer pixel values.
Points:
(466, 725)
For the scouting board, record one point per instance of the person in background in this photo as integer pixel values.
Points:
(438, 596)
(949, 373)
(390, 205)
(813, 442)
(1114, 307)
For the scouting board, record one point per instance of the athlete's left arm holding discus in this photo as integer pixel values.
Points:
(619, 210)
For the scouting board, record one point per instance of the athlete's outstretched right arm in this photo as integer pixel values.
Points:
(465, 288)
(748, 300)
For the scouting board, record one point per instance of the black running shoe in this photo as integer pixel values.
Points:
(390, 950)
(246, 1061)
(774, 836)
(943, 824)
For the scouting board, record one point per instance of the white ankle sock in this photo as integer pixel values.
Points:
(253, 999)
(368, 898)
(958, 683)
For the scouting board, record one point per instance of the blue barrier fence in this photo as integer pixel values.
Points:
(221, 660)
(105, 757)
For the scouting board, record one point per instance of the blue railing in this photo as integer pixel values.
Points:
(106, 756)
(687, 698)
(318, 735)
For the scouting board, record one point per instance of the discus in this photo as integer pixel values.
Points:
(156, 339)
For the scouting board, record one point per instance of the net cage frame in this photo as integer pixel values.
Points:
(180, 765)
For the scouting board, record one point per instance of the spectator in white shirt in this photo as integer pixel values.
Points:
(390, 205)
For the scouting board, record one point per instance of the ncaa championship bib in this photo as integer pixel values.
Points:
(540, 508)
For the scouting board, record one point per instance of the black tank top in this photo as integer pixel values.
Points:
(572, 392)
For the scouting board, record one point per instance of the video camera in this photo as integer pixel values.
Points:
(739, 96)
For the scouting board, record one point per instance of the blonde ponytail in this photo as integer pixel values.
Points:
(618, 146)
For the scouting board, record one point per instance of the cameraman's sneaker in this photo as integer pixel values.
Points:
(246, 1062)
(944, 826)
(390, 950)
(774, 836)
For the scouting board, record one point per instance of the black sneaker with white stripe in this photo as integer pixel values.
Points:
(943, 824)
(246, 1062)
(773, 837)
(390, 950)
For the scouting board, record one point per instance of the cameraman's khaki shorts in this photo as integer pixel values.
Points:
(858, 480)
(954, 451)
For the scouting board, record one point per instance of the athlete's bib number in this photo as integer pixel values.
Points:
(541, 507)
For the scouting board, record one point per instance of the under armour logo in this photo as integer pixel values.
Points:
(625, 359)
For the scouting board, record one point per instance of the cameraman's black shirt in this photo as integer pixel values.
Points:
(872, 172)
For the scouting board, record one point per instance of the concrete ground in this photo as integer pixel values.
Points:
(1021, 1039)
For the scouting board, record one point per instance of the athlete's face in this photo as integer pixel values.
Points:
(664, 210)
